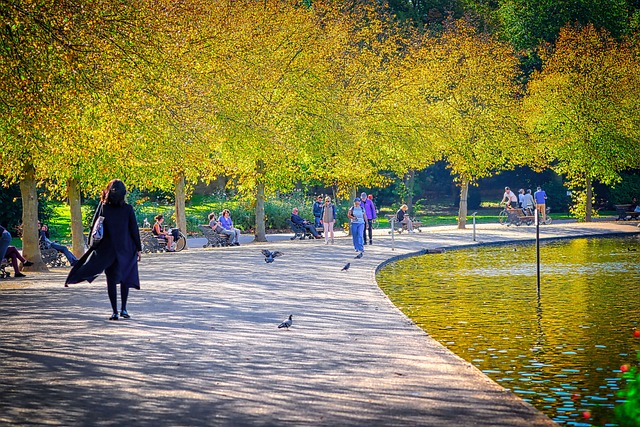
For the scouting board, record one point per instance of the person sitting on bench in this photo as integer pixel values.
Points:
(218, 228)
(528, 205)
(13, 255)
(46, 244)
(298, 220)
(227, 224)
(404, 219)
(157, 231)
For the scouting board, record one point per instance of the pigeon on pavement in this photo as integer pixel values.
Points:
(286, 323)
(346, 267)
(359, 255)
(269, 256)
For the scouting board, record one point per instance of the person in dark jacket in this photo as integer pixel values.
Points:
(117, 254)
(297, 219)
(317, 211)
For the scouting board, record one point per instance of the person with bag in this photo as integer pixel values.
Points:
(328, 219)
(358, 217)
(118, 251)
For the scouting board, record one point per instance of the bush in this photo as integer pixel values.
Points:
(627, 189)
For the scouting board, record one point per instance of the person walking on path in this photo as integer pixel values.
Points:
(328, 219)
(370, 210)
(317, 211)
(118, 252)
(358, 217)
(541, 203)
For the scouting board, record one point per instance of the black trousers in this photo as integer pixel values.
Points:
(368, 225)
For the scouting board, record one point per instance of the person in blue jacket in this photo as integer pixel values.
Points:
(317, 211)
(117, 254)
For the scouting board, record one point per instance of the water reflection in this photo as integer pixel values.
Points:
(560, 350)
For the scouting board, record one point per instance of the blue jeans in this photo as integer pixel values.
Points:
(356, 234)
(5, 242)
(71, 257)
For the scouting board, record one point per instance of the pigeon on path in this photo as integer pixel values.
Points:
(346, 267)
(269, 256)
(359, 255)
(286, 323)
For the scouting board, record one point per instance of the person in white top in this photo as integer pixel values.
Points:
(509, 198)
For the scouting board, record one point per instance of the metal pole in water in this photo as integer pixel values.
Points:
(474, 225)
(537, 219)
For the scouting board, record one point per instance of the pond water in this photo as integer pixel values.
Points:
(561, 350)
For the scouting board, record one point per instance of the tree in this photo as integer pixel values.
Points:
(526, 23)
(359, 122)
(263, 53)
(47, 50)
(468, 103)
(583, 109)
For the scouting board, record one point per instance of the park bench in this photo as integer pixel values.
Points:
(214, 238)
(625, 213)
(517, 217)
(152, 243)
(51, 257)
(3, 269)
(301, 232)
(399, 227)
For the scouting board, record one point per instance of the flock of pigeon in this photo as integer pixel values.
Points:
(270, 256)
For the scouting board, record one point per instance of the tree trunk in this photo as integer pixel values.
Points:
(181, 217)
(75, 208)
(260, 232)
(409, 183)
(462, 210)
(30, 245)
(589, 204)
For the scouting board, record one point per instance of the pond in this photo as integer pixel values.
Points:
(561, 350)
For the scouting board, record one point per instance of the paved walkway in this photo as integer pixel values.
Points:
(202, 347)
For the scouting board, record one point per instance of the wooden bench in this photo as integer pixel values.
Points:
(517, 217)
(214, 238)
(625, 213)
(301, 232)
(399, 227)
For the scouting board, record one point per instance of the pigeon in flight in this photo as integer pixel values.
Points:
(359, 255)
(269, 256)
(286, 323)
(346, 267)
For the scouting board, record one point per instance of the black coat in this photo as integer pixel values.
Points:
(117, 252)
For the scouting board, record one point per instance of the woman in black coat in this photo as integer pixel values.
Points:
(117, 254)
